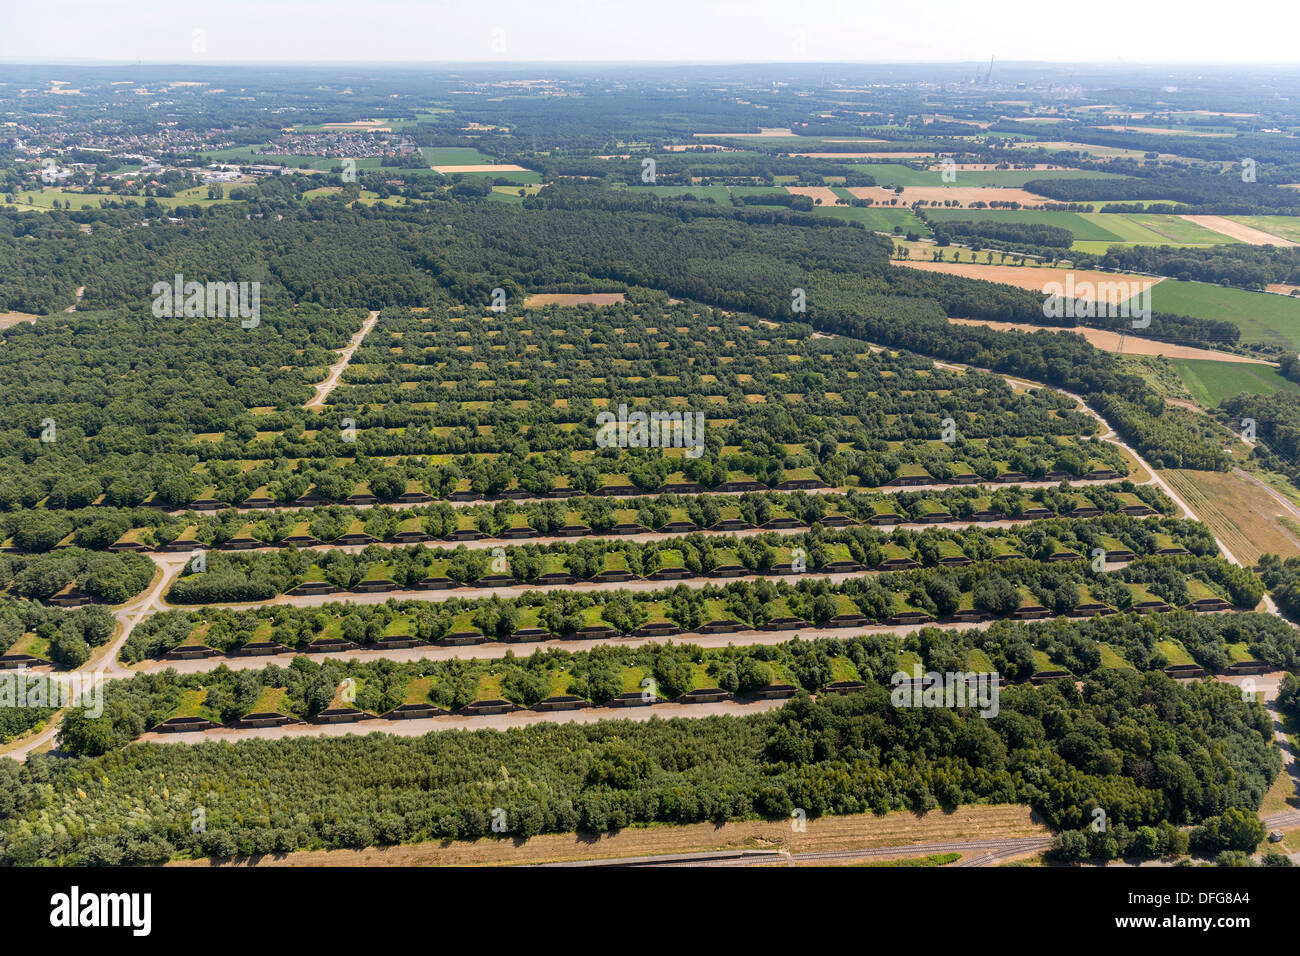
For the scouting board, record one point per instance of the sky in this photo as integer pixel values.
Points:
(711, 31)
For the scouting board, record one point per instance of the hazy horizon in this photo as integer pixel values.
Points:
(698, 32)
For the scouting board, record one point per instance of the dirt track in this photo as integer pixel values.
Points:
(481, 168)
(324, 388)
(494, 650)
(418, 728)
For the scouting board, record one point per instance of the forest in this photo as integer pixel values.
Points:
(574, 236)
(1140, 745)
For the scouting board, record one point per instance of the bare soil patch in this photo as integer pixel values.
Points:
(880, 194)
(1035, 278)
(904, 155)
(993, 167)
(824, 193)
(1238, 231)
(372, 125)
(825, 834)
(573, 298)
(1244, 516)
(764, 131)
(971, 194)
(1156, 130)
(1109, 341)
(481, 168)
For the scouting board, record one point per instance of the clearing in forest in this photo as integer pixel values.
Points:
(1035, 278)
(1243, 515)
(1109, 341)
(573, 298)
(826, 834)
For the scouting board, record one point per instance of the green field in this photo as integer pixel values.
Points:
(251, 155)
(800, 144)
(876, 218)
(42, 200)
(897, 174)
(1211, 382)
(526, 177)
(511, 193)
(1083, 225)
(1156, 229)
(1095, 232)
(455, 156)
(714, 194)
(1263, 317)
(757, 191)
(1284, 227)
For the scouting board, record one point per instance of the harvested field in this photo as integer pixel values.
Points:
(8, 319)
(764, 131)
(481, 168)
(1110, 342)
(1239, 231)
(858, 831)
(573, 298)
(824, 193)
(1035, 278)
(906, 155)
(880, 194)
(372, 125)
(991, 167)
(1157, 131)
(1086, 148)
(1241, 513)
(1284, 227)
(971, 194)
(1282, 288)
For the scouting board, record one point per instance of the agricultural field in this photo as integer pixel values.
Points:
(1156, 229)
(1034, 278)
(1084, 226)
(714, 194)
(1239, 231)
(1284, 227)
(42, 200)
(513, 175)
(1244, 516)
(844, 833)
(455, 156)
(877, 219)
(1211, 382)
(1263, 317)
(1094, 232)
(897, 174)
